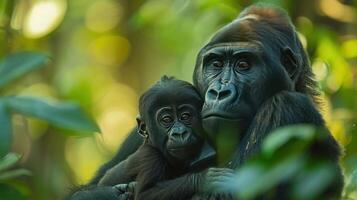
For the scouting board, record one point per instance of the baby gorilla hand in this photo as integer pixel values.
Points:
(126, 191)
(214, 179)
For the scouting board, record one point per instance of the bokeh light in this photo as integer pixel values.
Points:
(43, 17)
(349, 48)
(109, 50)
(118, 110)
(319, 68)
(103, 15)
(84, 158)
(337, 10)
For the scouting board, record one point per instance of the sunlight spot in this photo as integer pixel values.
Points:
(117, 110)
(110, 50)
(320, 69)
(103, 16)
(303, 40)
(43, 17)
(349, 48)
(84, 158)
(337, 10)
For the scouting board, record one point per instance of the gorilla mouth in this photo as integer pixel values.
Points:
(223, 115)
(214, 124)
(182, 147)
(184, 152)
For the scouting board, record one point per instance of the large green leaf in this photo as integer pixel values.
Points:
(311, 183)
(63, 115)
(351, 183)
(14, 174)
(5, 129)
(9, 161)
(282, 136)
(18, 64)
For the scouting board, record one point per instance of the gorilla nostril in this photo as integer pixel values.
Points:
(225, 81)
(185, 135)
(224, 94)
(212, 94)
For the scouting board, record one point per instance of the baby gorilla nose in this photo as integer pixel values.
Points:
(179, 133)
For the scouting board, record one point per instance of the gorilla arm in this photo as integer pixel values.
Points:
(130, 145)
(124, 172)
(186, 186)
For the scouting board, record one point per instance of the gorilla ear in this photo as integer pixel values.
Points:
(141, 127)
(290, 62)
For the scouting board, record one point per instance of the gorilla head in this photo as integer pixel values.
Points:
(245, 63)
(170, 119)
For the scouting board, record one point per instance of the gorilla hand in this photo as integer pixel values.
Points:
(213, 179)
(126, 191)
(96, 193)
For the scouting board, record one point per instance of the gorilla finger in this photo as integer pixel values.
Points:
(125, 196)
(221, 173)
(121, 188)
(220, 170)
(131, 187)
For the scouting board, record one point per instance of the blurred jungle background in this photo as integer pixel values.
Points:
(70, 68)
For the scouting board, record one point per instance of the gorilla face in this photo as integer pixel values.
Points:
(170, 118)
(237, 71)
(179, 125)
(230, 71)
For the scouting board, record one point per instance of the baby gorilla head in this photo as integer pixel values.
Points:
(170, 119)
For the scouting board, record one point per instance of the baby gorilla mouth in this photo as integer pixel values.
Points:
(183, 152)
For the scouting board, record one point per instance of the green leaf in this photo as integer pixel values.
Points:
(351, 184)
(18, 64)
(283, 135)
(312, 182)
(63, 115)
(14, 174)
(246, 186)
(9, 193)
(5, 129)
(9, 160)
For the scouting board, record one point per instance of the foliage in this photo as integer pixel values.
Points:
(65, 115)
(284, 158)
(60, 114)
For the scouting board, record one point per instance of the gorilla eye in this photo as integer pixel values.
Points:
(166, 119)
(185, 116)
(243, 65)
(217, 63)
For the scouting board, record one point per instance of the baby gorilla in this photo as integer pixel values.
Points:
(170, 122)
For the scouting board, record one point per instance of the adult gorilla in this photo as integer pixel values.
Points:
(255, 77)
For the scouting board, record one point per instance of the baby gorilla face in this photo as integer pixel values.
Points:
(170, 116)
(181, 125)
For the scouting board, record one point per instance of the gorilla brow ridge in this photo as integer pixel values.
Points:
(165, 83)
(279, 20)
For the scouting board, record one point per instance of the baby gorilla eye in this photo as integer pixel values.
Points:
(243, 65)
(167, 119)
(218, 63)
(185, 116)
